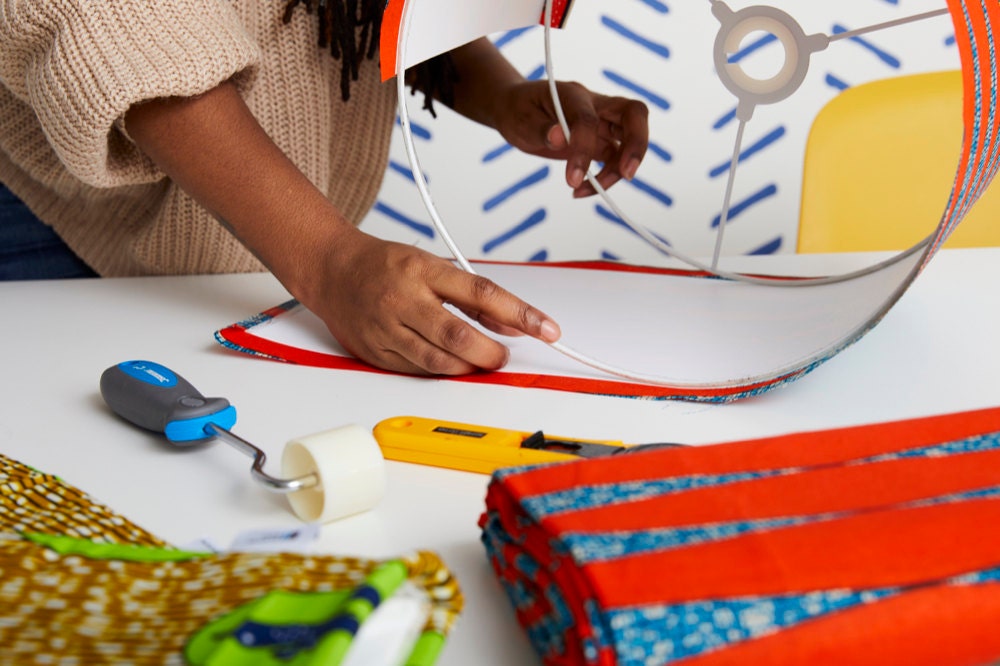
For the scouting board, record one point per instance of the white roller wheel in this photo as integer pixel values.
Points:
(349, 465)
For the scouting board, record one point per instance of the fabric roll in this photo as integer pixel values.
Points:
(869, 544)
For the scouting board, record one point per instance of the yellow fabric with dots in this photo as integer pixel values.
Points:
(72, 609)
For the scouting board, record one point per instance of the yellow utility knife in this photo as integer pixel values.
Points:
(474, 448)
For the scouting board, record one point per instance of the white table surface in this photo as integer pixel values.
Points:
(937, 351)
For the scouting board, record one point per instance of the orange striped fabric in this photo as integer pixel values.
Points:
(856, 545)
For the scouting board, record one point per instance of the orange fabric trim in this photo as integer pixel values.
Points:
(948, 626)
(389, 38)
(803, 449)
(840, 489)
(882, 549)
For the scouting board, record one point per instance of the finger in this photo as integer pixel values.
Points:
(555, 138)
(496, 327)
(634, 124)
(483, 300)
(451, 344)
(584, 131)
(402, 349)
(607, 177)
(610, 131)
(428, 360)
(531, 125)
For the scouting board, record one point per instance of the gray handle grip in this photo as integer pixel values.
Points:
(156, 398)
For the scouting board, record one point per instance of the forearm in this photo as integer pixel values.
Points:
(80, 64)
(213, 148)
(382, 301)
(483, 72)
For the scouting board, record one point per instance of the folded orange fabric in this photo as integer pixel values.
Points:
(870, 544)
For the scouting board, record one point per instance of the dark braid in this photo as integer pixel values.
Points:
(339, 21)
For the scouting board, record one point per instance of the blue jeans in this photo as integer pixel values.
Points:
(30, 249)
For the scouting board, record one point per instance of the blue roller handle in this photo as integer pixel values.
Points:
(157, 398)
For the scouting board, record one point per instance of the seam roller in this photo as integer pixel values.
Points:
(326, 476)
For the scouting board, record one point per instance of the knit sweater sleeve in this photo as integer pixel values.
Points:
(80, 65)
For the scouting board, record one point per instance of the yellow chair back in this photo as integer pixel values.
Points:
(880, 164)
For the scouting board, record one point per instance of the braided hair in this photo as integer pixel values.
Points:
(350, 30)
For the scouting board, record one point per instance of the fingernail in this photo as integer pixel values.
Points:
(631, 168)
(576, 177)
(550, 331)
(553, 136)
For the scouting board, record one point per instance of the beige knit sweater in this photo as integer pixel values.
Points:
(70, 69)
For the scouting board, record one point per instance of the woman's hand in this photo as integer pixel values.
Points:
(384, 302)
(611, 130)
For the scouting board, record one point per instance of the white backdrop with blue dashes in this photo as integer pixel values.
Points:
(501, 204)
